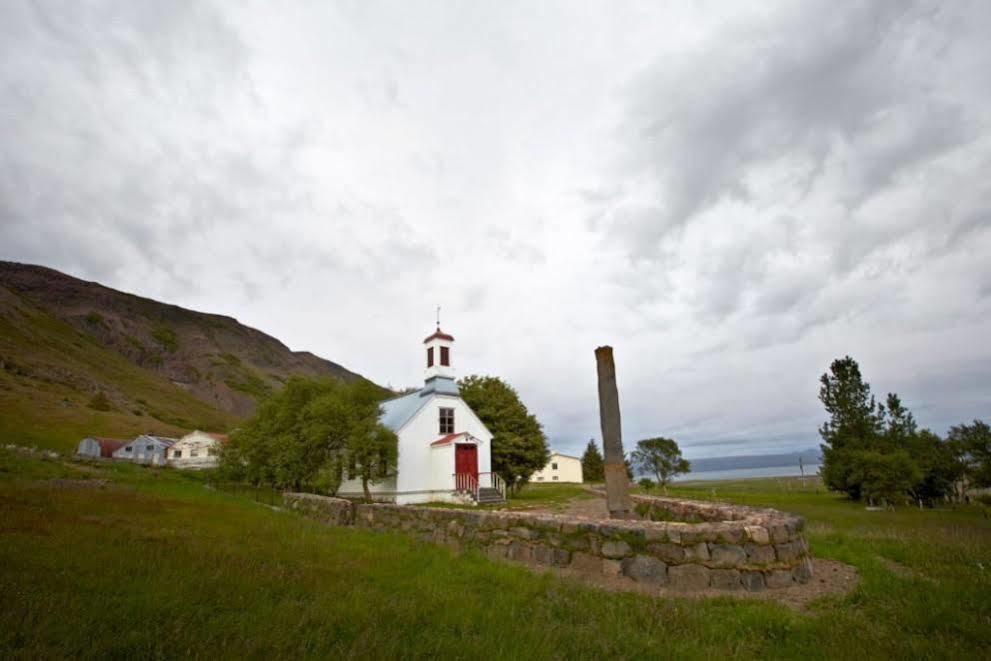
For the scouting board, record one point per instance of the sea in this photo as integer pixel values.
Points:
(744, 473)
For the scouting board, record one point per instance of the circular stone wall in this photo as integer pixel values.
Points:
(699, 545)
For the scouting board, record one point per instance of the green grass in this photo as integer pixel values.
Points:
(158, 566)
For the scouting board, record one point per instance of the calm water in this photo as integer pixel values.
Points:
(743, 473)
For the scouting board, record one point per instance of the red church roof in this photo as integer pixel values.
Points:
(444, 440)
(441, 335)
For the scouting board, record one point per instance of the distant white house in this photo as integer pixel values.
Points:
(98, 446)
(145, 449)
(560, 468)
(198, 449)
(444, 449)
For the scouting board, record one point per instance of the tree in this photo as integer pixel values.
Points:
(876, 451)
(855, 421)
(593, 465)
(519, 447)
(307, 432)
(661, 457)
(973, 443)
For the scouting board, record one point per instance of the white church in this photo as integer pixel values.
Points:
(444, 449)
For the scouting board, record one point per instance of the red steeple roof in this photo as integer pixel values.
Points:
(439, 334)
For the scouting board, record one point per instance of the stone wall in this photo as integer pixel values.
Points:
(334, 511)
(734, 548)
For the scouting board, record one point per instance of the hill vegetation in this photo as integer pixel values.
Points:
(77, 358)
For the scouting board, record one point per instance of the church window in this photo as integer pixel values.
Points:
(430, 357)
(445, 356)
(447, 421)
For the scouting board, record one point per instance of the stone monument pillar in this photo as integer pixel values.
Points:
(617, 497)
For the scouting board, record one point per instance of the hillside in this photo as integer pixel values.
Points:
(160, 367)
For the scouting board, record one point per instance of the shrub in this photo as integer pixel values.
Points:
(99, 402)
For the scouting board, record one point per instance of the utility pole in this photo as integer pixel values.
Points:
(617, 496)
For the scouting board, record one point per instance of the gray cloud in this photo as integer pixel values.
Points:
(731, 206)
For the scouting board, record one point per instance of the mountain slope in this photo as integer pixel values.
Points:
(218, 360)
(78, 358)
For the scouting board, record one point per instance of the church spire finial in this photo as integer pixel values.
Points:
(438, 317)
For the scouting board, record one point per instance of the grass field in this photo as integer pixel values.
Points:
(156, 565)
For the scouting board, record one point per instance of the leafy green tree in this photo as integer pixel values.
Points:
(519, 447)
(593, 464)
(876, 451)
(940, 465)
(855, 421)
(646, 484)
(884, 477)
(661, 457)
(305, 433)
(973, 443)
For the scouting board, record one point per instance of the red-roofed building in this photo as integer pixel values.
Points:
(98, 446)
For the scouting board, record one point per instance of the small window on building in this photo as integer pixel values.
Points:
(128, 449)
(194, 453)
(445, 356)
(211, 452)
(177, 454)
(430, 357)
(149, 448)
(554, 478)
(447, 421)
(554, 466)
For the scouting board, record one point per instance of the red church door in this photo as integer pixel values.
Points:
(466, 459)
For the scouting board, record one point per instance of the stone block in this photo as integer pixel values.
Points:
(543, 554)
(725, 579)
(725, 555)
(611, 567)
(759, 554)
(753, 581)
(656, 534)
(803, 572)
(615, 549)
(669, 553)
(698, 552)
(778, 578)
(758, 534)
(688, 577)
(585, 563)
(779, 533)
(523, 533)
(789, 551)
(562, 557)
(496, 551)
(519, 551)
(645, 569)
(730, 534)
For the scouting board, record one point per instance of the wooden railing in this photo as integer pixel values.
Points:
(492, 481)
(466, 483)
(469, 484)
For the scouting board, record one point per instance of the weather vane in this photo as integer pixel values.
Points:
(438, 317)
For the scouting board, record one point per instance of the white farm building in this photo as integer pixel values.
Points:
(145, 449)
(444, 449)
(195, 450)
(560, 468)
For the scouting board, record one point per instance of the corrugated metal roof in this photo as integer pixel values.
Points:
(397, 411)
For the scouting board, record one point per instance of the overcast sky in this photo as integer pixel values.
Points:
(731, 196)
